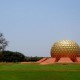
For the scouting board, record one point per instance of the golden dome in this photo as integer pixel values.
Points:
(65, 48)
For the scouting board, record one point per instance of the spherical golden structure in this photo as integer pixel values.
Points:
(65, 48)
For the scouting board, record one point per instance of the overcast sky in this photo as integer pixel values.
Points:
(33, 26)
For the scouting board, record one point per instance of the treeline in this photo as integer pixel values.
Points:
(33, 59)
(10, 56)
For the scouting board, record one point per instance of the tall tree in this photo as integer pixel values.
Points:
(3, 42)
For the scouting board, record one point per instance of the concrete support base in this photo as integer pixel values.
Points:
(65, 60)
(51, 60)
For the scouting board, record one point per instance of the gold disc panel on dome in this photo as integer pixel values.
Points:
(65, 48)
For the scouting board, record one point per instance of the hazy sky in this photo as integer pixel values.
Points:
(32, 26)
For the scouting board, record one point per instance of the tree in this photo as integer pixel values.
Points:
(3, 42)
(10, 56)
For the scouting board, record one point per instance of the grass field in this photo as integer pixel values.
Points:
(17, 71)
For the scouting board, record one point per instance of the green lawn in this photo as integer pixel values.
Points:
(17, 71)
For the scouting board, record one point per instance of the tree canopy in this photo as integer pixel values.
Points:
(10, 56)
(3, 42)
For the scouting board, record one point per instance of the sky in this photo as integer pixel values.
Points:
(33, 26)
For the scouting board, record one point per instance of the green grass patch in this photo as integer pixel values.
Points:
(17, 71)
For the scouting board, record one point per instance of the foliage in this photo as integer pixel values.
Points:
(33, 59)
(3, 42)
(9, 56)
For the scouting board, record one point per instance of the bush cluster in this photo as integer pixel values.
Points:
(10, 56)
